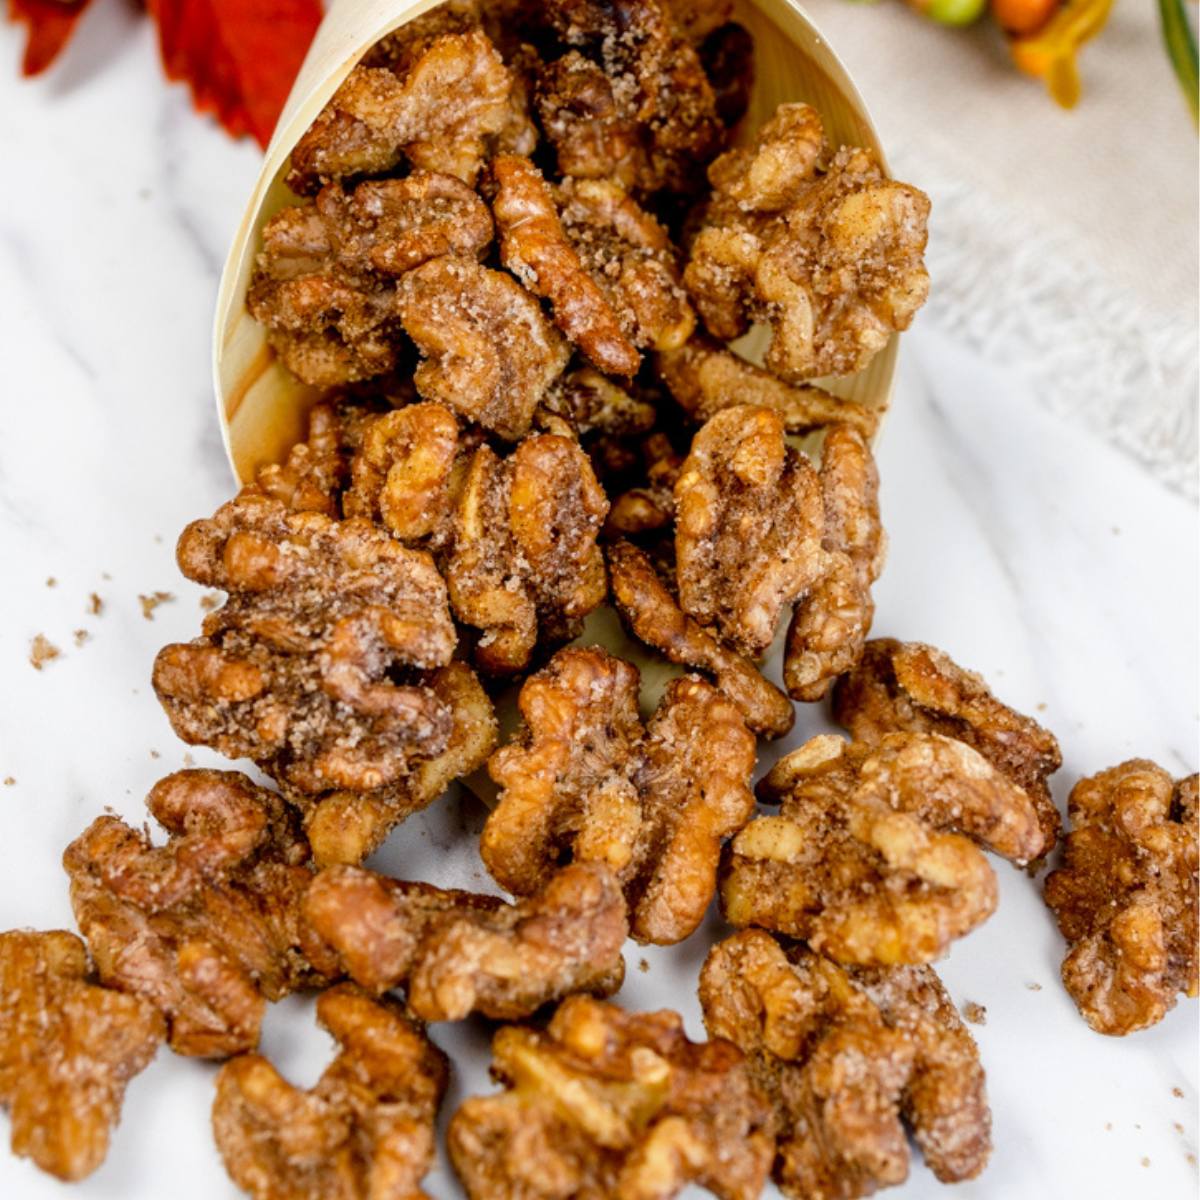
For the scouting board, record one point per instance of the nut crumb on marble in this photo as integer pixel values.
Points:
(974, 1012)
(1034, 987)
(81, 636)
(51, 582)
(95, 604)
(151, 602)
(42, 651)
(9, 781)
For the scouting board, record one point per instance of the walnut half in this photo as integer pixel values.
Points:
(610, 1103)
(1125, 897)
(68, 1048)
(844, 1055)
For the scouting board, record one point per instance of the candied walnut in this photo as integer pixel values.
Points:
(909, 685)
(748, 518)
(323, 281)
(1125, 897)
(207, 927)
(629, 253)
(829, 626)
(587, 780)
(873, 858)
(403, 476)
(828, 253)
(365, 1131)
(534, 246)
(345, 826)
(295, 670)
(459, 952)
(316, 470)
(583, 401)
(436, 104)
(525, 560)
(68, 1049)
(845, 1055)
(651, 505)
(489, 353)
(646, 605)
(632, 103)
(705, 378)
(610, 1103)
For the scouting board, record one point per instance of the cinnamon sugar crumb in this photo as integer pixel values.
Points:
(188, 761)
(155, 754)
(1177, 1093)
(210, 601)
(151, 602)
(975, 1013)
(51, 581)
(81, 636)
(643, 965)
(41, 651)
(1034, 987)
(9, 781)
(95, 605)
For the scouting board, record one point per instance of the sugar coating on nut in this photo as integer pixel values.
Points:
(525, 565)
(849, 1057)
(1125, 897)
(366, 1130)
(324, 281)
(913, 686)
(405, 471)
(632, 102)
(293, 670)
(610, 1103)
(534, 246)
(208, 927)
(437, 104)
(830, 624)
(654, 617)
(827, 251)
(345, 825)
(705, 378)
(68, 1048)
(875, 856)
(586, 779)
(748, 525)
(488, 351)
(459, 952)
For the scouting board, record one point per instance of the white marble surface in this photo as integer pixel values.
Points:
(1023, 546)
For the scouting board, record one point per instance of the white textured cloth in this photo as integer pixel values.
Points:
(1062, 242)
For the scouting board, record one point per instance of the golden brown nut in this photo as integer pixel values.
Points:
(525, 563)
(829, 626)
(828, 253)
(364, 1132)
(632, 103)
(293, 670)
(706, 378)
(534, 246)
(1125, 897)
(610, 1103)
(653, 615)
(873, 858)
(346, 825)
(404, 473)
(748, 521)
(208, 927)
(436, 103)
(316, 470)
(909, 685)
(630, 255)
(459, 952)
(489, 353)
(587, 780)
(844, 1054)
(68, 1048)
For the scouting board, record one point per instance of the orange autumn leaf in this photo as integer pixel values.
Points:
(50, 24)
(239, 57)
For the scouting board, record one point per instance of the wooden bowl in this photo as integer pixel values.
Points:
(261, 407)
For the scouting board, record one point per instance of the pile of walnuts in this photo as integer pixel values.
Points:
(525, 242)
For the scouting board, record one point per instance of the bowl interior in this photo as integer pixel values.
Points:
(261, 406)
